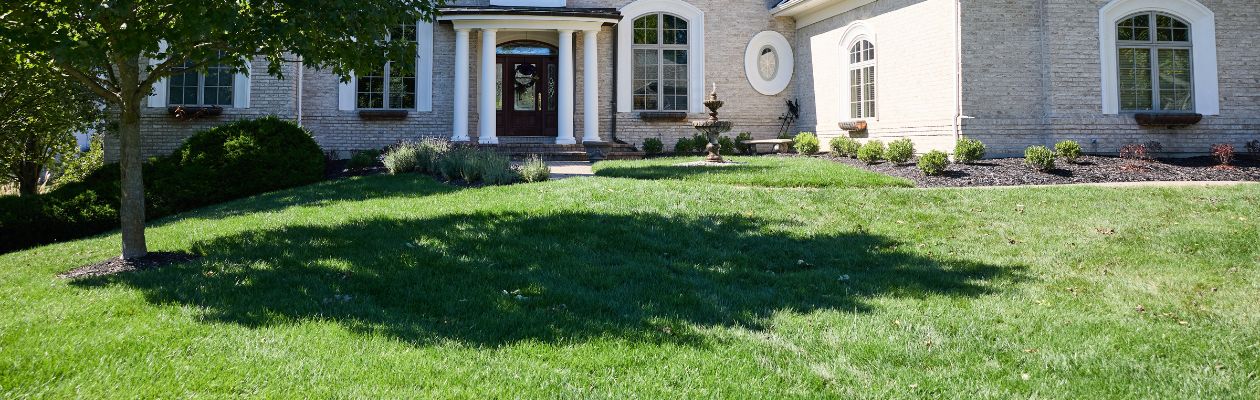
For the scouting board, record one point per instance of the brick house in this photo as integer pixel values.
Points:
(1106, 73)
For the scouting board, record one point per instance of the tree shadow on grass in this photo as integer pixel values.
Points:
(495, 279)
(657, 172)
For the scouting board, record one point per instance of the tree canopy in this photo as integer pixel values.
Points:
(39, 114)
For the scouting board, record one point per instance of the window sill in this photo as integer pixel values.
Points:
(383, 115)
(186, 113)
(1167, 119)
(854, 126)
(663, 116)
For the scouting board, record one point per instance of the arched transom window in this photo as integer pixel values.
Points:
(862, 80)
(660, 63)
(1154, 63)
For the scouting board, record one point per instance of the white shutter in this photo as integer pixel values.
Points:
(345, 95)
(240, 89)
(158, 97)
(424, 66)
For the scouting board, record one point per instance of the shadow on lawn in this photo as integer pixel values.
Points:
(493, 279)
(330, 192)
(653, 172)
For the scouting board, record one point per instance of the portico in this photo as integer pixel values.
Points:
(515, 77)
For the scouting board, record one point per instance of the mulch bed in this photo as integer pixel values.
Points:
(1088, 169)
(117, 265)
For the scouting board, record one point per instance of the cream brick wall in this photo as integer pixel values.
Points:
(729, 25)
(1032, 76)
(915, 72)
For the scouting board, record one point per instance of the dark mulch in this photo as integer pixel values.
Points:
(1089, 169)
(117, 265)
(338, 169)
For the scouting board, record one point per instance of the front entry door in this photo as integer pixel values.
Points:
(527, 93)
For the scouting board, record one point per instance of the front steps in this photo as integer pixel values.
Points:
(560, 152)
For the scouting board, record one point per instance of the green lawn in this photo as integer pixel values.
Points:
(400, 287)
(790, 172)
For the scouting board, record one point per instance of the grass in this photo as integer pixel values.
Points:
(615, 288)
(783, 172)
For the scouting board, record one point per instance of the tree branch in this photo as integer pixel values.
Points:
(92, 83)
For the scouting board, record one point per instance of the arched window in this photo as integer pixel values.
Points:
(660, 66)
(1154, 51)
(862, 80)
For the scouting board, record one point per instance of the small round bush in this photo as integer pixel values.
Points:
(871, 152)
(845, 147)
(900, 151)
(967, 151)
(739, 143)
(403, 158)
(1070, 150)
(653, 146)
(933, 163)
(726, 146)
(684, 146)
(1040, 158)
(806, 143)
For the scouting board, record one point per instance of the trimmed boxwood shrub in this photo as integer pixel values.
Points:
(900, 151)
(806, 143)
(235, 160)
(845, 147)
(684, 146)
(653, 146)
(740, 146)
(1040, 158)
(934, 162)
(871, 152)
(726, 146)
(967, 151)
(1070, 150)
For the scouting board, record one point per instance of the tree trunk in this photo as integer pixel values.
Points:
(28, 178)
(131, 211)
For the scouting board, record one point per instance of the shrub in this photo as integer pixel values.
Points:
(1040, 158)
(535, 170)
(805, 143)
(740, 146)
(1253, 147)
(684, 146)
(871, 152)
(75, 167)
(235, 160)
(653, 146)
(1070, 150)
(364, 159)
(450, 167)
(429, 152)
(496, 169)
(934, 162)
(1224, 153)
(900, 151)
(967, 151)
(1134, 152)
(403, 158)
(726, 146)
(845, 147)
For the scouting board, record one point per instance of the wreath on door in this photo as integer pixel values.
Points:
(526, 78)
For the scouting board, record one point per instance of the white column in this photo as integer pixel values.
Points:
(590, 86)
(565, 91)
(459, 130)
(486, 88)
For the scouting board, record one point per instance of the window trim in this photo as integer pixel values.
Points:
(1206, 88)
(241, 85)
(347, 91)
(785, 66)
(695, 52)
(1154, 46)
(201, 88)
(385, 84)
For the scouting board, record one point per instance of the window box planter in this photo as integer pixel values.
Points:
(853, 126)
(383, 115)
(187, 113)
(663, 116)
(1168, 120)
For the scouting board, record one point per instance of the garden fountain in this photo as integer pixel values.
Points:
(711, 128)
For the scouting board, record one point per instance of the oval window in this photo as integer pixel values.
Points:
(768, 63)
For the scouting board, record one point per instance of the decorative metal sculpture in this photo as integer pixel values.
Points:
(712, 128)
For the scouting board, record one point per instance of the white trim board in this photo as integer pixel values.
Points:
(696, 54)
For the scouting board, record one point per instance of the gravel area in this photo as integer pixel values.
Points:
(1088, 169)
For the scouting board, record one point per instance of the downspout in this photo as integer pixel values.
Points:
(300, 75)
(958, 95)
(612, 123)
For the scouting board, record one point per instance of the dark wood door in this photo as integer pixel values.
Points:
(527, 93)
